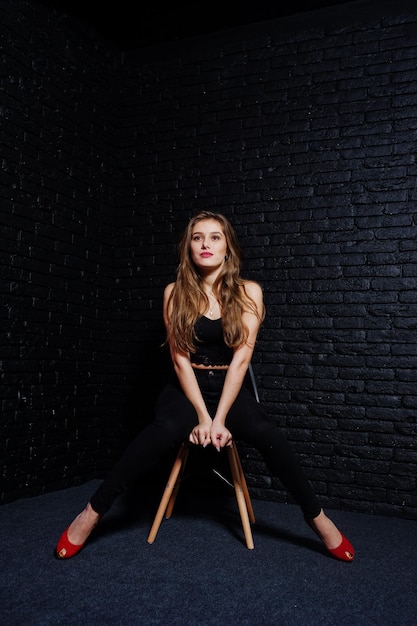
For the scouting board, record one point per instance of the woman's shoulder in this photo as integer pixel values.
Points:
(252, 287)
(168, 289)
(167, 295)
(253, 293)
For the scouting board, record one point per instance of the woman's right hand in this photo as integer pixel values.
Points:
(200, 434)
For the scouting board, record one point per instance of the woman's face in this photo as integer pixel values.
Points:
(208, 244)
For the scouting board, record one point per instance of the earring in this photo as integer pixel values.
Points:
(226, 258)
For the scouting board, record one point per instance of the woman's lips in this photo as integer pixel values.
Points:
(206, 255)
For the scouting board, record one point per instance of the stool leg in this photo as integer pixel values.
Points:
(172, 481)
(240, 497)
(171, 503)
(244, 486)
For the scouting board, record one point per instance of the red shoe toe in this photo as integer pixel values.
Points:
(65, 549)
(344, 551)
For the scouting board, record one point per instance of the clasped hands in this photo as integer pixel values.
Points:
(211, 433)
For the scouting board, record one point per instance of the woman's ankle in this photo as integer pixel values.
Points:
(327, 530)
(83, 524)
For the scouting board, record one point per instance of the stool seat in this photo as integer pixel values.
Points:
(239, 483)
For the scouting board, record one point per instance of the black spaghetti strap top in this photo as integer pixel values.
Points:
(210, 346)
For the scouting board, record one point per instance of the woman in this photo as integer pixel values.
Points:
(212, 317)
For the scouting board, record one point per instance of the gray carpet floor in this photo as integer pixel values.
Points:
(199, 571)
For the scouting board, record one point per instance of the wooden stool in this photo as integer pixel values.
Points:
(239, 483)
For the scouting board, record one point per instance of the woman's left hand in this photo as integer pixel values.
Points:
(220, 436)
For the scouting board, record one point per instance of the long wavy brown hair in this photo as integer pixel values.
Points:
(188, 300)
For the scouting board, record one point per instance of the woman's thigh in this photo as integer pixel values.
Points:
(174, 413)
(248, 420)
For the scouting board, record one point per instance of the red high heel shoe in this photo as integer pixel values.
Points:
(343, 552)
(65, 549)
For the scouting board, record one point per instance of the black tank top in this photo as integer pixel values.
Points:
(210, 346)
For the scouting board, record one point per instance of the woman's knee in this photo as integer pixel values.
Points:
(169, 431)
(251, 426)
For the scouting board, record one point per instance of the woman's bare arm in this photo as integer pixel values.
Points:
(187, 379)
(237, 368)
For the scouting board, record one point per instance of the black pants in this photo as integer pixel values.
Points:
(175, 417)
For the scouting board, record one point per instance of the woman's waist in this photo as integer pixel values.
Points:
(200, 366)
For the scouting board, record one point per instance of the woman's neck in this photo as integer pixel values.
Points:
(208, 286)
(208, 279)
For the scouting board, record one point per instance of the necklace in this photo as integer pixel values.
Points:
(211, 308)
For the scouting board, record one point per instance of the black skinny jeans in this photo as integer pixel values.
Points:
(175, 417)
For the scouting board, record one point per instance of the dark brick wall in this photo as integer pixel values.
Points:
(57, 137)
(303, 132)
(306, 139)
